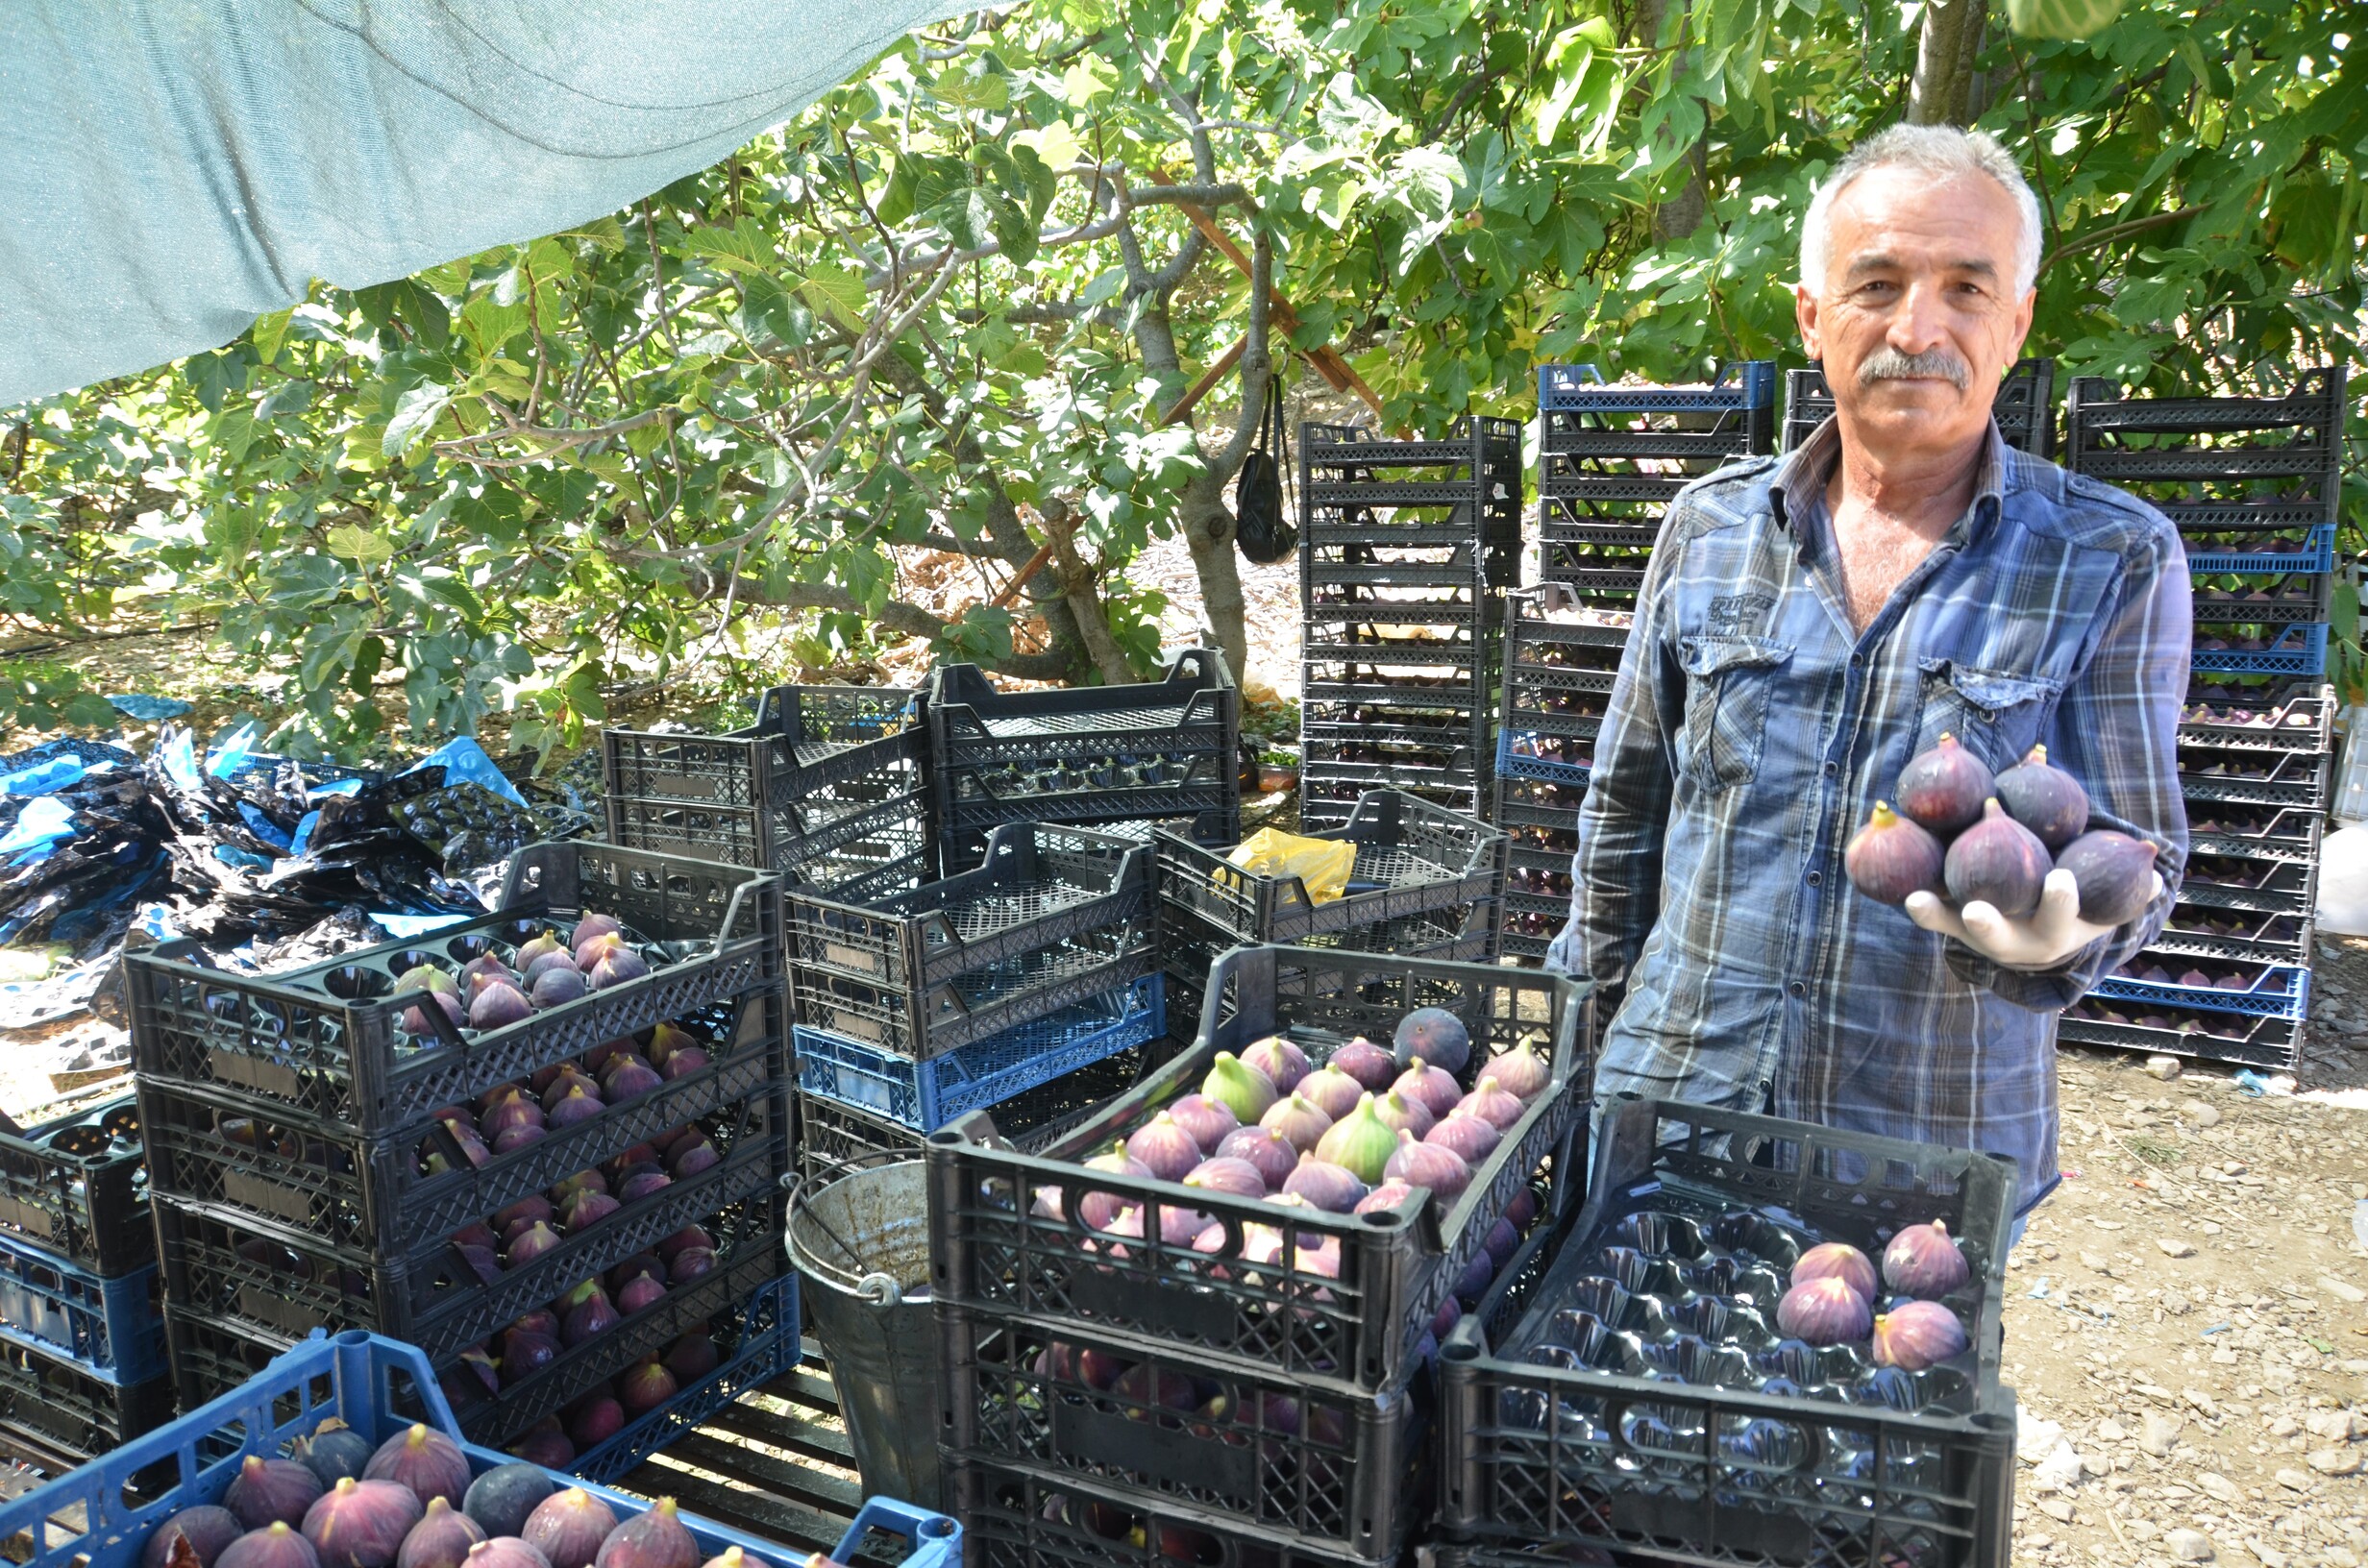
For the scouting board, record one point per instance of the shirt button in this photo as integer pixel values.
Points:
(1832, 769)
(1797, 989)
(1816, 877)
(1858, 661)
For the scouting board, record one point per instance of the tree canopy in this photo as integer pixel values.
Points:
(956, 304)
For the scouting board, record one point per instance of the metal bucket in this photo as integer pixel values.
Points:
(861, 1248)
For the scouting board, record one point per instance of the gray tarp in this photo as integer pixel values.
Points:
(172, 169)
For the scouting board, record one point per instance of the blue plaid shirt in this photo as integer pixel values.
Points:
(1752, 730)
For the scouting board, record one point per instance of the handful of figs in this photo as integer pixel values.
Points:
(1962, 833)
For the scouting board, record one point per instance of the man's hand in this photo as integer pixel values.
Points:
(2044, 941)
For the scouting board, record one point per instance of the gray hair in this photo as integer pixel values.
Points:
(1941, 151)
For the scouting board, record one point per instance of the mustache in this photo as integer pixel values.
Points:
(1888, 364)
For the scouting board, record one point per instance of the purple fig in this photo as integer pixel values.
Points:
(645, 1387)
(579, 1105)
(481, 1262)
(1433, 1034)
(1839, 1260)
(1400, 1114)
(538, 1240)
(533, 1208)
(525, 1353)
(1502, 1242)
(594, 1420)
(1824, 1311)
(445, 1002)
(691, 1264)
(1325, 1186)
(517, 1138)
(501, 1499)
(1999, 862)
(553, 1090)
(1208, 1120)
(1916, 1335)
(629, 1081)
(1266, 1150)
(568, 1528)
(640, 1292)
(265, 1490)
(1331, 1091)
(1923, 1261)
(508, 1551)
(424, 1459)
(682, 1063)
(441, 1539)
(1942, 789)
(588, 1319)
(642, 1265)
(361, 1523)
(1283, 1062)
(2114, 873)
(534, 947)
(279, 1545)
(667, 1039)
(593, 925)
(617, 966)
(1892, 857)
(1372, 1066)
(654, 1539)
(586, 1208)
(1471, 1139)
(1237, 1177)
(1434, 1166)
(558, 985)
(693, 1356)
(690, 1235)
(497, 1006)
(543, 963)
(543, 1444)
(1166, 1147)
(205, 1530)
(2044, 798)
(693, 1158)
(642, 1184)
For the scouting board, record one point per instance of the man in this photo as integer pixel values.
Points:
(1812, 621)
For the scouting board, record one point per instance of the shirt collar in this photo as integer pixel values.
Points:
(1797, 487)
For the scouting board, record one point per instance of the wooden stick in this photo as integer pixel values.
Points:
(1010, 591)
(1209, 378)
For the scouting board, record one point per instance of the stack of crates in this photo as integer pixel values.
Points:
(959, 992)
(1560, 665)
(327, 1150)
(2024, 407)
(1165, 1399)
(1405, 548)
(2253, 485)
(1612, 458)
(82, 1334)
(1423, 882)
(1113, 758)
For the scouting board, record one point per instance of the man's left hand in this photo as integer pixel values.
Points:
(2044, 941)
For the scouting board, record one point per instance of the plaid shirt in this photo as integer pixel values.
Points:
(1752, 730)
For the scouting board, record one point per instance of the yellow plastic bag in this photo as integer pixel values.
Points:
(1323, 864)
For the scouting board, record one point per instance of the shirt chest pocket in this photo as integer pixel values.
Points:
(1996, 714)
(1727, 687)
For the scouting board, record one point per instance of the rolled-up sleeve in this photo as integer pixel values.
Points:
(2116, 730)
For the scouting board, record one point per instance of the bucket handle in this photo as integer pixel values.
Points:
(876, 1286)
(881, 1289)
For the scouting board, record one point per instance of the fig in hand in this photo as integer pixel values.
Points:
(2044, 798)
(1892, 857)
(1943, 789)
(2114, 873)
(1998, 862)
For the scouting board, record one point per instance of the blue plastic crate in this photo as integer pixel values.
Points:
(1582, 389)
(101, 1515)
(2320, 557)
(2284, 992)
(925, 1096)
(1510, 765)
(111, 1329)
(769, 1346)
(2299, 650)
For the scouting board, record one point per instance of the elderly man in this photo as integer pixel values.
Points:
(1812, 621)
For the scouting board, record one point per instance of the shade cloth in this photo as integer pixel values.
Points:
(172, 169)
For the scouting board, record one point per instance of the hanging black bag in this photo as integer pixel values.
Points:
(1262, 525)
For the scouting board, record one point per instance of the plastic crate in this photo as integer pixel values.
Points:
(2235, 1039)
(2296, 597)
(925, 1096)
(2279, 718)
(1015, 1519)
(2295, 650)
(52, 1408)
(1053, 915)
(379, 1199)
(769, 1345)
(2276, 990)
(1469, 689)
(1581, 389)
(2309, 549)
(102, 1516)
(822, 767)
(78, 1187)
(1158, 749)
(2024, 407)
(373, 1207)
(1328, 796)
(1565, 1451)
(323, 1038)
(2248, 777)
(1412, 858)
(1268, 1456)
(2113, 437)
(2235, 936)
(225, 1308)
(993, 1253)
(2252, 832)
(1461, 934)
(110, 1328)
(834, 1139)
(1477, 463)
(1643, 443)
(2275, 887)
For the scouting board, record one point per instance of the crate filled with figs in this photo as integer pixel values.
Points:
(1760, 1342)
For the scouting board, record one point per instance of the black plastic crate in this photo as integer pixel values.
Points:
(323, 1040)
(279, 1278)
(1608, 1450)
(2252, 832)
(822, 767)
(1412, 858)
(394, 1200)
(2263, 600)
(2237, 935)
(2235, 1038)
(1164, 748)
(49, 1406)
(1532, 922)
(1014, 1519)
(2024, 407)
(1465, 934)
(1593, 436)
(1465, 690)
(992, 1252)
(1329, 797)
(1477, 462)
(1290, 1463)
(2222, 468)
(2271, 887)
(1332, 568)
(2270, 717)
(2211, 771)
(217, 1345)
(78, 1186)
(1053, 914)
